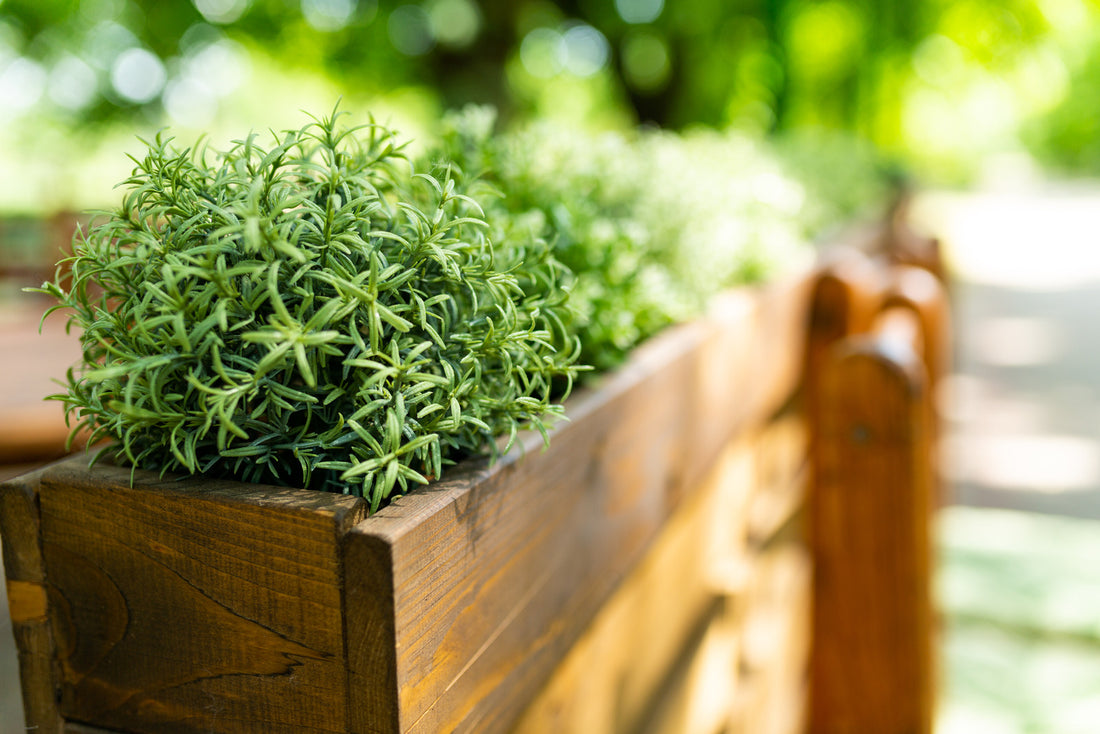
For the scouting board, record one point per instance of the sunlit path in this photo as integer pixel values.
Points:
(1018, 584)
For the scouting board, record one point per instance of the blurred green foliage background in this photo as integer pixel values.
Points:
(951, 89)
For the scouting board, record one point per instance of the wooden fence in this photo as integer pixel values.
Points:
(731, 536)
(792, 592)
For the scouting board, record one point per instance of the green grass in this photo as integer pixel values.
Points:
(1020, 594)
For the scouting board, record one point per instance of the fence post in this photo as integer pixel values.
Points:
(870, 505)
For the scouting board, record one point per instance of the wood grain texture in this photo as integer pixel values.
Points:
(75, 728)
(187, 606)
(369, 625)
(497, 573)
(25, 572)
(700, 688)
(870, 531)
(748, 367)
(618, 672)
(492, 588)
(195, 606)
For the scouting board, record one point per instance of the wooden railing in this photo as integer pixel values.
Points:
(731, 535)
(792, 592)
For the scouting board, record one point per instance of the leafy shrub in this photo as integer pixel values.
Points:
(315, 312)
(654, 224)
(323, 312)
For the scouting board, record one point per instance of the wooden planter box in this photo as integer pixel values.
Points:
(651, 547)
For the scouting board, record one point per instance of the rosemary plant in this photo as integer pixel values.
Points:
(312, 312)
(653, 224)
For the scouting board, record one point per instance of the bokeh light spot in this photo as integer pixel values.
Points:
(454, 22)
(138, 75)
(825, 39)
(646, 61)
(22, 83)
(198, 36)
(586, 50)
(189, 103)
(410, 30)
(329, 15)
(221, 11)
(72, 83)
(105, 42)
(939, 61)
(220, 67)
(543, 52)
(639, 11)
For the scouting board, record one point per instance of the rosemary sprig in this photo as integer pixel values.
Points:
(313, 311)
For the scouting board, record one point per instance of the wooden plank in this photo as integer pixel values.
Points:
(780, 488)
(918, 291)
(25, 572)
(190, 606)
(583, 694)
(75, 728)
(496, 574)
(775, 629)
(748, 366)
(612, 677)
(699, 691)
(775, 610)
(843, 301)
(870, 513)
(369, 626)
(759, 710)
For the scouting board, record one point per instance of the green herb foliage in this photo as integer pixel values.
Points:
(654, 224)
(313, 312)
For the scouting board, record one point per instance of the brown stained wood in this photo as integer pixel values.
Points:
(26, 586)
(780, 487)
(195, 606)
(187, 606)
(775, 643)
(614, 676)
(843, 301)
(75, 728)
(493, 587)
(746, 673)
(872, 663)
(748, 366)
(26, 601)
(759, 710)
(917, 292)
(699, 692)
(496, 574)
(371, 635)
(776, 618)
(19, 527)
(922, 293)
